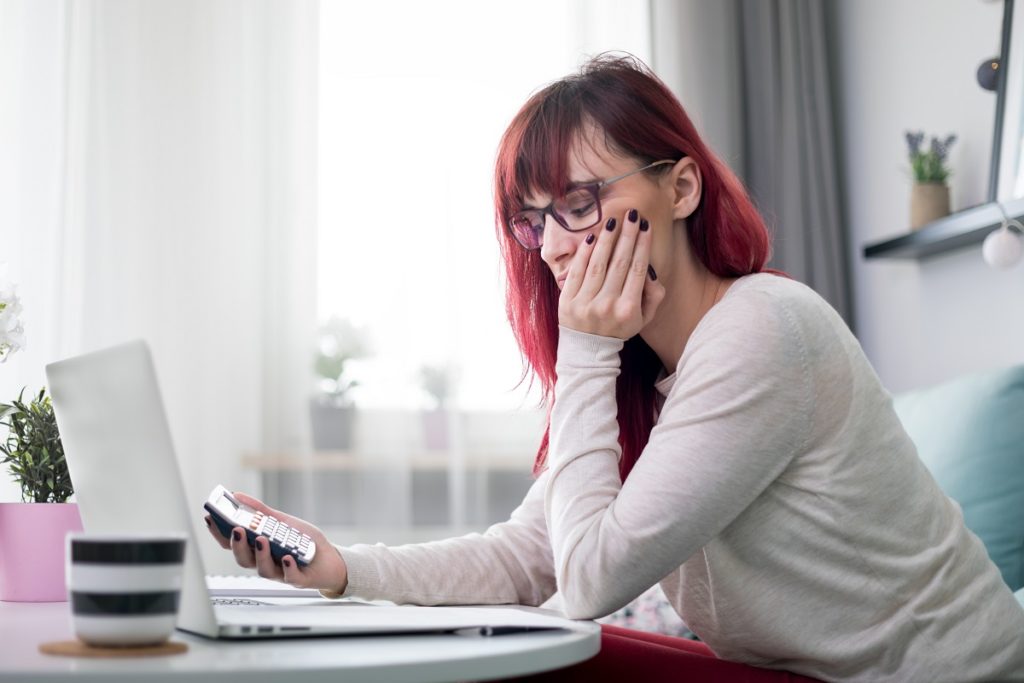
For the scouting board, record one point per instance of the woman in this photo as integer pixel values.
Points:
(712, 426)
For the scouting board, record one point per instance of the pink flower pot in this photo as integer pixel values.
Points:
(32, 550)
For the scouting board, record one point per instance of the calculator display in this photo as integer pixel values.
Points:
(225, 505)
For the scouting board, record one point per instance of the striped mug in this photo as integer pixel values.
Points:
(124, 589)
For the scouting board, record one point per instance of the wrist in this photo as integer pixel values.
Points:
(336, 586)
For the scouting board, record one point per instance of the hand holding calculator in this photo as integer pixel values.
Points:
(227, 512)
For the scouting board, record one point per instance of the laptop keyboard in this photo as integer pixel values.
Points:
(238, 601)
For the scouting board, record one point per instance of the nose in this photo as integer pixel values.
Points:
(559, 244)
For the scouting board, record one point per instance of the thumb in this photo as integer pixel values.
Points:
(258, 504)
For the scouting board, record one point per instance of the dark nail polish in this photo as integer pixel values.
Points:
(644, 225)
(236, 535)
(207, 520)
(259, 544)
(651, 273)
(610, 225)
(633, 215)
(590, 238)
(287, 562)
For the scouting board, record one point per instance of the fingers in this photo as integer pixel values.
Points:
(265, 565)
(601, 262)
(215, 532)
(605, 289)
(258, 504)
(653, 294)
(240, 548)
(632, 259)
(292, 573)
(579, 267)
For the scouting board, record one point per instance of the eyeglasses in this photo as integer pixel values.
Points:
(579, 209)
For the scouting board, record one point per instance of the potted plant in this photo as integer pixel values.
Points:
(437, 381)
(929, 199)
(32, 532)
(332, 409)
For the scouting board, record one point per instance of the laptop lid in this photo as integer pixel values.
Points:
(121, 458)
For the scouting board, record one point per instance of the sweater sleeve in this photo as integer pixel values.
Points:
(510, 563)
(737, 414)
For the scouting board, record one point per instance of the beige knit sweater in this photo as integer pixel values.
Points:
(779, 502)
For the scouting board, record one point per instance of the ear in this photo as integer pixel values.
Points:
(686, 185)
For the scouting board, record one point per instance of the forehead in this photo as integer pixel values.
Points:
(590, 158)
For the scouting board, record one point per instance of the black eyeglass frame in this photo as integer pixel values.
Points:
(595, 191)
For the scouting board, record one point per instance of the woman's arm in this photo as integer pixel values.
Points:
(738, 413)
(510, 563)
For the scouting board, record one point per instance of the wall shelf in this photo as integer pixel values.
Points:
(958, 230)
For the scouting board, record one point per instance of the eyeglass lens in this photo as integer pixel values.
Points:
(579, 209)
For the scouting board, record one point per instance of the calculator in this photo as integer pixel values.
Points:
(228, 512)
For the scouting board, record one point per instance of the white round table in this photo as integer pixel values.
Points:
(396, 659)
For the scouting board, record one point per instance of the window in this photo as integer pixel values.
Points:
(414, 98)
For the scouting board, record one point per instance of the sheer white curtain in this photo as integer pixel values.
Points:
(157, 180)
(414, 98)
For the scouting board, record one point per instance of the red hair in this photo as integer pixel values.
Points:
(640, 118)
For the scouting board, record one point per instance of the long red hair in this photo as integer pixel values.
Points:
(641, 118)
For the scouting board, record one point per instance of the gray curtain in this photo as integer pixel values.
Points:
(789, 142)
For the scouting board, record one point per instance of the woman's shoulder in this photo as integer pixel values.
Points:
(765, 314)
(761, 298)
(772, 288)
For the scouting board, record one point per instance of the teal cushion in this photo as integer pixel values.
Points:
(970, 434)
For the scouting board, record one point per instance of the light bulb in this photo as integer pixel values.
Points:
(1002, 248)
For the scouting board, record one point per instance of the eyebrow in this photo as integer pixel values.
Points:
(581, 183)
(571, 186)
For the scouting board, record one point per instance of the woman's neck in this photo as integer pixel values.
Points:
(690, 294)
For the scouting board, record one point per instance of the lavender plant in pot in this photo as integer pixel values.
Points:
(929, 199)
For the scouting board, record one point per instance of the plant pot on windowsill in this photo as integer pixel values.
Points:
(435, 430)
(928, 202)
(332, 424)
(32, 533)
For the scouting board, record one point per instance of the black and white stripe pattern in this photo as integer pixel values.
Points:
(124, 590)
(100, 604)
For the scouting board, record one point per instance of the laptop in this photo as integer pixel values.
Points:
(118, 447)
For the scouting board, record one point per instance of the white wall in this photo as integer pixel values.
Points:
(910, 64)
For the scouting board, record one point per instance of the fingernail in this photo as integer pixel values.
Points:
(644, 225)
(651, 273)
(237, 535)
(590, 238)
(259, 544)
(287, 562)
(610, 225)
(633, 214)
(207, 520)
